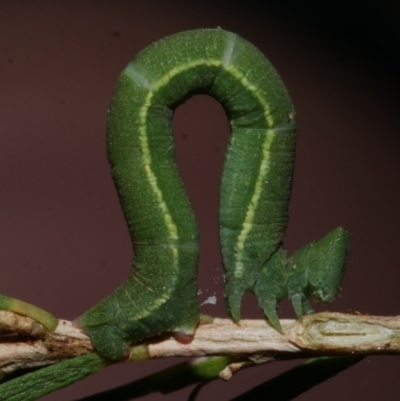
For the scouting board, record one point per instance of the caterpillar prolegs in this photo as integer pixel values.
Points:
(160, 293)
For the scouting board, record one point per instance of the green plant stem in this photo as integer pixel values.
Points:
(43, 381)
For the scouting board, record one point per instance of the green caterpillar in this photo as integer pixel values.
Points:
(160, 293)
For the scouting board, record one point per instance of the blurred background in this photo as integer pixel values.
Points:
(64, 243)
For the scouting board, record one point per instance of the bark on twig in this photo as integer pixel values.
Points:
(316, 335)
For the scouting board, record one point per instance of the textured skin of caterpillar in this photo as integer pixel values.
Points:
(160, 293)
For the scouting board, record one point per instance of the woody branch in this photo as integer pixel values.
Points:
(30, 345)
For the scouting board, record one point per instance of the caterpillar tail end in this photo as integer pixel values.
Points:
(183, 338)
(106, 339)
(184, 332)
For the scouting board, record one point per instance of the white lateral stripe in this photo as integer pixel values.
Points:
(263, 168)
(252, 206)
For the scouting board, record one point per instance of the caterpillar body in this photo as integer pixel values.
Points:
(160, 293)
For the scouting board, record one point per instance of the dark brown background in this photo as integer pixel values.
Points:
(64, 244)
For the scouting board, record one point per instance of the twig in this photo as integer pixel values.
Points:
(252, 340)
(27, 344)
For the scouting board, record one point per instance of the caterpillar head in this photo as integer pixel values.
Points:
(317, 270)
(324, 293)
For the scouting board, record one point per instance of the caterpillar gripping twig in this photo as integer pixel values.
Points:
(160, 293)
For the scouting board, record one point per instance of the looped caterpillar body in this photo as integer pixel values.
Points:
(160, 293)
